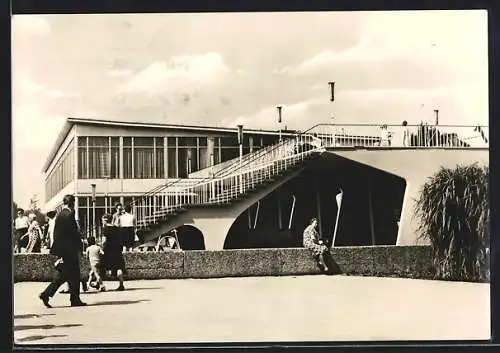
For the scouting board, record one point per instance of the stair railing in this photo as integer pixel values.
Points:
(225, 188)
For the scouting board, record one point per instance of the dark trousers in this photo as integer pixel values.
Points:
(18, 243)
(70, 272)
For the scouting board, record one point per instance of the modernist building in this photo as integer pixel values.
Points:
(125, 160)
(171, 175)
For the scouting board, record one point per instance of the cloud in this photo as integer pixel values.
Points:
(458, 105)
(27, 89)
(30, 25)
(181, 73)
(436, 38)
(294, 115)
(32, 129)
(120, 72)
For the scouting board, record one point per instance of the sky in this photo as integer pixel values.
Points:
(235, 68)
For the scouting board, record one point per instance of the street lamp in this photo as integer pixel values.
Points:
(279, 107)
(93, 210)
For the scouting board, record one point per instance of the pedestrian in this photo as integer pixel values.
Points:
(312, 241)
(94, 255)
(67, 247)
(117, 215)
(406, 134)
(385, 136)
(51, 215)
(21, 225)
(128, 224)
(112, 243)
(34, 235)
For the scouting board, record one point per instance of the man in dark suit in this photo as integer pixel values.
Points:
(67, 246)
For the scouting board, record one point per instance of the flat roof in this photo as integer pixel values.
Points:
(68, 124)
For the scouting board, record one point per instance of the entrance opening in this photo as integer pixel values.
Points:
(190, 238)
(369, 212)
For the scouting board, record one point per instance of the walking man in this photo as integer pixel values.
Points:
(67, 247)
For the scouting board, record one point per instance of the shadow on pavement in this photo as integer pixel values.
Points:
(145, 288)
(43, 327)
(126, 290)
(37, 338)
(119, 302)
(30, 316)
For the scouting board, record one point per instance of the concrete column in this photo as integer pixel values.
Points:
(176, 157)
(318, 209)
(76, 208)
(165, 156)
(370, 212)
(210, 148)
(214, 231)
(280, 217)
(75, 173)
(121, 158)
(154, 158)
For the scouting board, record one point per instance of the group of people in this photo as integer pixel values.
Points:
(29, 235)
(118, 235)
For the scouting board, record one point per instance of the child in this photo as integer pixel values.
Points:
(94, 253)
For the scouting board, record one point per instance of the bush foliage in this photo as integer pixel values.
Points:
(454, 213)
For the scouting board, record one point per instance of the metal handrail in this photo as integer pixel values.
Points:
(192, 192)
(414, 136)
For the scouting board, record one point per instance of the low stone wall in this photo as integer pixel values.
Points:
(385, 261)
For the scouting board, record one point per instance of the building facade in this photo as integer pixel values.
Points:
(125, 160)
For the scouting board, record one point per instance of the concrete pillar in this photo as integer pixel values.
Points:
(76, 208)
(318, 209)
(165, 157)
(176, 157)
(280, 216)
(214, 231)
(370, 212)
(210, 148)
(75, 175)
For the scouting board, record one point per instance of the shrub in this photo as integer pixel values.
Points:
(454, 213)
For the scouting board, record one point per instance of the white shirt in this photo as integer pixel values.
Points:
(22, 222)
(94, 253)
(127, 220)
(50, 230)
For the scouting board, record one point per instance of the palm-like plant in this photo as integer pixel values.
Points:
(454, 214)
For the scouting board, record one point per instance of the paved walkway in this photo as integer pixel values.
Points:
(258, 309)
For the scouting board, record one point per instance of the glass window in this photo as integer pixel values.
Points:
(144, 159)
(98, 157)
(172, 164)
(115, 157)
(160, 159)
(62, 173)
(127, 158)
(187, 141)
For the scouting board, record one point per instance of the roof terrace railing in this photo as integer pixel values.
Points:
(398, 136)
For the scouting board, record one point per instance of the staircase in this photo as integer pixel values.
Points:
(233, 182)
